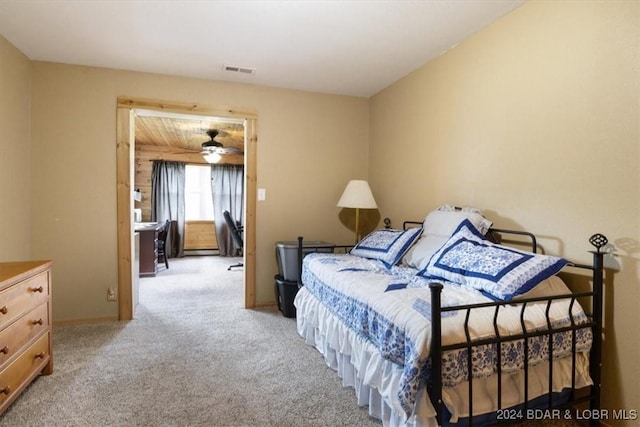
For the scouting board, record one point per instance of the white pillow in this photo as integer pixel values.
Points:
(420, 253)
(445, 223)
(438, 227)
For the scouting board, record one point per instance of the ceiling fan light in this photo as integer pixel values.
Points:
(212, 157)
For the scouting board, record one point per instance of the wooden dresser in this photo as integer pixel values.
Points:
(25, 326)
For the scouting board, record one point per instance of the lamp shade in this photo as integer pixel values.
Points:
(357, 194)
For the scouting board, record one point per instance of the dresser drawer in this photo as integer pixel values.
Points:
(15, 377)
(19, 333)
(18, 299)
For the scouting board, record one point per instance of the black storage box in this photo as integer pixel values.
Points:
(287, 291)
(287, 255)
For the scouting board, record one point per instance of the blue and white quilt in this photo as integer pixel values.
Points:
(391, 309)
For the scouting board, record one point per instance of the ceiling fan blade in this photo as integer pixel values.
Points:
(229, 150)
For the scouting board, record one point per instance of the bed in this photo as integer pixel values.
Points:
(440, 324)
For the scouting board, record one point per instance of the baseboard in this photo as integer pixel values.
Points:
(198, 252)
(266, 304)
(73, 322)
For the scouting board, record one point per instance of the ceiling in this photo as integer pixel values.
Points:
(339, 47)
(178, 133)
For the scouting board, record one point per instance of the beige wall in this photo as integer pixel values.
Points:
(15, 88)
(535, 120)
(309, 146)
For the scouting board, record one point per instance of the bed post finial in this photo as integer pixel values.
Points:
(598, 241)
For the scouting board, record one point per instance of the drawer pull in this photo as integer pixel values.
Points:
(40, 355)
(37, 322)
(6, 390)
(4, 310)
(38, 289)
(4, 350)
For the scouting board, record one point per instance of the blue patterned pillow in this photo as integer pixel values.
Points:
(387, 245)
(497, 271)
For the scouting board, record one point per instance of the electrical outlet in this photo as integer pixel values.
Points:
(111, 294)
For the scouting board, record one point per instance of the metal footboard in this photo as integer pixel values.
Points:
(594, 321)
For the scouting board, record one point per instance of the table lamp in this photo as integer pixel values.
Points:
(357, 195)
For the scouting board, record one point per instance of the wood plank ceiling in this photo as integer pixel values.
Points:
(180, 139)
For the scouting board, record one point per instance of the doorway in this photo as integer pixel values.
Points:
(125, 135)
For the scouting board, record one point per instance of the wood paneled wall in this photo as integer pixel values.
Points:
(200, 235)
(142, 178)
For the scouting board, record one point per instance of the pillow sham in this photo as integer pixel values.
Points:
(438, 227)
(387, 245)
(499, 272)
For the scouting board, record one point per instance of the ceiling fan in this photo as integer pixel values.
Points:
(212, 146)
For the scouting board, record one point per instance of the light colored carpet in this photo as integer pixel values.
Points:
(192, 357)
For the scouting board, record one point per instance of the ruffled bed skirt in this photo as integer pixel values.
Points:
(376, 380)
(359, 364)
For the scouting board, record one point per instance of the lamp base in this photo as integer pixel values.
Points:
(357, 225)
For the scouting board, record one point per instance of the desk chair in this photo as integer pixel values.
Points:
(236, 235)
(162, 243)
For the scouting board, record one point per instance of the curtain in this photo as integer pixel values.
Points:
(167, 201)
(227, 189)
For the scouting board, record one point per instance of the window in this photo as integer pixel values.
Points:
(198, 201)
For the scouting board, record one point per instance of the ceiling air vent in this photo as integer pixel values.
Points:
(243, 70)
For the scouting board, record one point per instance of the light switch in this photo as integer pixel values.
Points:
(262, 194)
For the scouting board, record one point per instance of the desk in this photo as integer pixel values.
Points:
(148, 247)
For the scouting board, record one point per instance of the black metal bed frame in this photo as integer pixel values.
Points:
(594, 322)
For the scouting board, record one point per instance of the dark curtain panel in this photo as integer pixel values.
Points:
(167, 201)
(227, 189)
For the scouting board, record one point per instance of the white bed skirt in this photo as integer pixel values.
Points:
(376, 380)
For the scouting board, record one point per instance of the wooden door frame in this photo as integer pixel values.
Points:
(125, 147)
